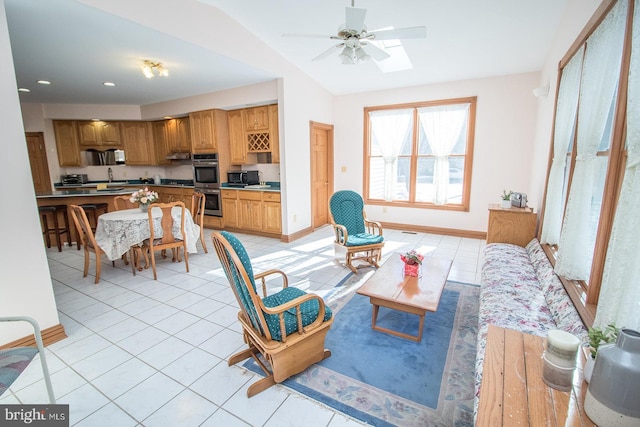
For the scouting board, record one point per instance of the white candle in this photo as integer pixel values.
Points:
(562, 347)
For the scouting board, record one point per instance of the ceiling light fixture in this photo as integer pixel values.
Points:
(110, 84)
(150, 69)
(23, 89)
(44, 82)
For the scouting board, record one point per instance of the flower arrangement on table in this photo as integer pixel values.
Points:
(144, 197)
(412, 261)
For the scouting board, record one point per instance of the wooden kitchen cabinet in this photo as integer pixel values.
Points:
(272, 213)
(256, 118)
(230, 208)
(160, 143)
(250, 210)
(178, 134)
(99, 134)
(511, 225)
(274, 133)
(137, 138)
(237, 137)
(175, 194)
(66, 133)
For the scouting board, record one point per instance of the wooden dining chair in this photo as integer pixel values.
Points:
(197, 211)
(167, 240)
(123, 202)
(87, 239)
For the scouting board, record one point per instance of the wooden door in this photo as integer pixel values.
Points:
(38, 161)
(321, 172)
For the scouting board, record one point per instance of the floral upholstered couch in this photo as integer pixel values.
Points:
(520, 291)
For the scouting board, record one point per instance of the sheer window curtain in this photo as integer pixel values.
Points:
(442, 126)
(619, 300)
(565, 122)
(600, 74)
(391, 129)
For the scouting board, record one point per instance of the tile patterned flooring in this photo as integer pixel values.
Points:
(141, 352)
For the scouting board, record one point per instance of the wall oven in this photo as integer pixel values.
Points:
(206, 180)
(212, 201)
(206, 172)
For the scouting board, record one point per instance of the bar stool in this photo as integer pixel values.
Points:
(48, 213)
(92, 209)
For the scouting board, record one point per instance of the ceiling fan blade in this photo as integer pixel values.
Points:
(398, 33)
(311, 36)
(354, 18)
(374, 51)
(328, 52)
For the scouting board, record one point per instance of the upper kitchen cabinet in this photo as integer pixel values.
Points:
(66, 133)
(237, 138)
(138, 143)
(208, 129)
(256, 118)
(253, 135)
(178, 133)
(274, 133)
(203, 132)
(160, 143)
(99, 134)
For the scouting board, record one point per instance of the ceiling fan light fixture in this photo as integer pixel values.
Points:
(348, 55)
(361, 55)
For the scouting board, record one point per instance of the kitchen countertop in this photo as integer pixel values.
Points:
(270, 186)
(114, 191)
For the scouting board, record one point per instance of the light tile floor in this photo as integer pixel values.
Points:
(141, 352)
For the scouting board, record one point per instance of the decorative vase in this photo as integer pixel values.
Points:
(505, 204)
(411, 270)
(144, 207)
(614, 390)
(587, 371)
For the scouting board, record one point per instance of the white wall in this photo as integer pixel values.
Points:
(25, 282)
(504, 134)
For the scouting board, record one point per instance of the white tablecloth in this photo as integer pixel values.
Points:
(117, 231)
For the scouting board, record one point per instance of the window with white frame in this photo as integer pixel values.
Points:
(420, 154)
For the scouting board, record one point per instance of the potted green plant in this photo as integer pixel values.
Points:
(506, 199)
(597, 337)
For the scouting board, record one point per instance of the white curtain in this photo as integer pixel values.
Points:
(390, 128)
(566, 110)
(600, 75)
(619, 300)
(442, 126)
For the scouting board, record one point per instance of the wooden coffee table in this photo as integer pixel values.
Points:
(389, 287)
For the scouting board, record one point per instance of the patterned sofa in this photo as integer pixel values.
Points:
(520, 291)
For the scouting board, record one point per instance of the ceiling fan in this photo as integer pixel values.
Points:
(356, 42)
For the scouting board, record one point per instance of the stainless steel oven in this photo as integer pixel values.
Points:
(212, 201)
(206, 171)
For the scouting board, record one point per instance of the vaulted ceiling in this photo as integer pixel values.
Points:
(77, 47)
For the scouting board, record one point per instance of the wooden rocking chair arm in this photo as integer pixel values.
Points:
(296, 303)
(264, 274)
(341, 234)
(373, 227)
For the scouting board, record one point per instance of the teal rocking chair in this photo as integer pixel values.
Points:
(357, 238)
(284, 331)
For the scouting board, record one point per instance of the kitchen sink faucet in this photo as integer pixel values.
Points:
(110, 172)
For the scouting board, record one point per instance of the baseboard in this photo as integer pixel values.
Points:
(436, 230)
(49, 336)
(288, 238)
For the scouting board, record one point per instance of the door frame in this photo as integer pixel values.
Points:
(329, 128)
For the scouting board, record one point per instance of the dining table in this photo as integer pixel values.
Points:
(118, 231)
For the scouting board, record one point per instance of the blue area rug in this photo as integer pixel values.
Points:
(386, 380)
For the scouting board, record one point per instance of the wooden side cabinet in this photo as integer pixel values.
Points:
(511, 225)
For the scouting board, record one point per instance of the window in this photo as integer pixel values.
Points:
(583, 200)
(420, 155)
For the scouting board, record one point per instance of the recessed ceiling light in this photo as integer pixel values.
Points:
(167, 117)
(95, 120)
(44, 82)
(23, 89)
(110, 84)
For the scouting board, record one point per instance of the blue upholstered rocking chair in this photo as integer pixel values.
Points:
(357, 238)
(287, 328)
